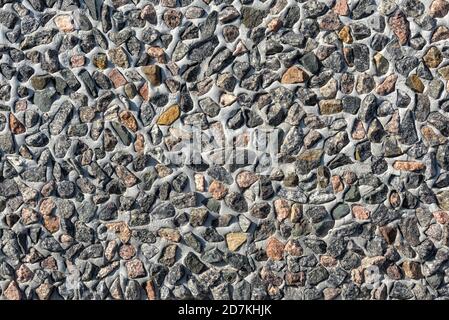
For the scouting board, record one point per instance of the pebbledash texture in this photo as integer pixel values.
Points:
(220, 149)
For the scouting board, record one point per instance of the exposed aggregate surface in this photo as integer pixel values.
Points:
(98, 99)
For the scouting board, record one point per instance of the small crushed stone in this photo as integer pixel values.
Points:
(100, 102)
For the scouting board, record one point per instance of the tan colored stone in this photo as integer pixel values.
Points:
(373, 261)
(126, 176)
(294, 75)
(357, 275)
(328, 261)
(275, 249)
(128, 120)
(408, 165)
(199, 182)
(44, 291)
(170, 115)
(240, 49)
(393, 125)
(12, 292)
(218, 190)
(120, 228)
(337, 184)
(226, 99)
(235, 239)
(157, 53)
(439, 8)
(441, 33)
(282, 209)
(64, 23)
(110, 250)
(296, 213)
(29, 216)
(51, 223)
(163, 171)
(46, 207)
(331, 293)
(345, 34)
(153, 74)
(433, 138)
(331, 106)
(412, 269)
(387, 86)
(433, 57)
(415, 83)
(444, 72)
(293, 248)
(139, 144)
(349, 177)
(360, 212)
(169, 234)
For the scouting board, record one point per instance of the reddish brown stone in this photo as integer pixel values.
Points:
(441, 217)
(15, 125)
(24, 274)
(400, 26)
(328, 261)
(143, 91)
(150, 290)
(341, 7)
(387, 86)
(294, 75)
(282, 209)
(127, 251)
(360, 212)
(135, 269)
(128, 120)
(337, 184)
(77, 60)
(275, 249)
(117, 78)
